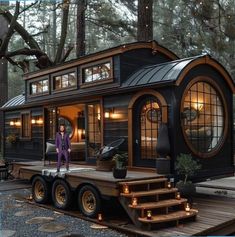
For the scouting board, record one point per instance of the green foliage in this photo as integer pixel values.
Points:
(120, 160)
(186, 166)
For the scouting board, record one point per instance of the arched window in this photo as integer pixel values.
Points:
(203, 118)
(150, 119)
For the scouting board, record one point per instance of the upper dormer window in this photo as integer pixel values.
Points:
(97, 72)
(39, 87)
(64, 81)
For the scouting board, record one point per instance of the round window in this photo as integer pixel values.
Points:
(203, 118)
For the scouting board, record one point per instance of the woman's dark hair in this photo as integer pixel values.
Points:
(62, 125)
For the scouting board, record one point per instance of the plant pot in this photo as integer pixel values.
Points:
(119, 173)
(187, 190)
(163, 166)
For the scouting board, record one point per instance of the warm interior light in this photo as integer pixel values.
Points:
(100, 218)
(33, 121)
(149, 215)
(39, 121)
(198, 105)
(125, 188)
(178, 196)
(12, 123)
(17, 123)
(187, 208)
(134, 201)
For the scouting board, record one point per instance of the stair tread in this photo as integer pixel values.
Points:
(159, 204)
(150, 192)
(145, 181)
(174, 216)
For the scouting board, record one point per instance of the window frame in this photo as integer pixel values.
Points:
(84, 84)
(219, 93)
(62, 73)
(30, 95)
(26, 112)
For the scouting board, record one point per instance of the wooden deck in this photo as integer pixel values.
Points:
(216, 215)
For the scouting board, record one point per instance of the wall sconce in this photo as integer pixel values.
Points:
(37, 120)
(12, 123)
(15, 123)
(107, 114)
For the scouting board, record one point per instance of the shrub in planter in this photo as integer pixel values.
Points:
(120, 169)
(186, 167)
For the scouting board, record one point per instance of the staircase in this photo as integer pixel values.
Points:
(154, 203)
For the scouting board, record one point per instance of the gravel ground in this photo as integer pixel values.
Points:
(13, 220)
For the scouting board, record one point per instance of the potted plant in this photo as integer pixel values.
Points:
(186, 167)
(120, 168)
(163, 150)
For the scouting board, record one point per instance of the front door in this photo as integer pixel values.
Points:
(146, 121)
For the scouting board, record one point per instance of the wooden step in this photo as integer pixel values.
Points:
(159, 204)
(150, 192)
(174, 216)
(145, 181)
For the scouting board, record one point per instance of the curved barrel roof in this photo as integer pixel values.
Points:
(15, 101)
(160, 73)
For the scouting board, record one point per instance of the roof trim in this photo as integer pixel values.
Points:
(16, 101)
(104, 54)
(213, 63)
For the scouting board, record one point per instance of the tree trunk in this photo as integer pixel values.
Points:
(145, 20)
(63, 34)
(3, 62)
(81, 7)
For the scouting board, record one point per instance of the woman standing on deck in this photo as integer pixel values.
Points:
(63, 146)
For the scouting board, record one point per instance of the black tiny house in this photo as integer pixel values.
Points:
(127, 91)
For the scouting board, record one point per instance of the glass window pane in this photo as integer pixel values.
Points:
(203, 117)
(97, 72)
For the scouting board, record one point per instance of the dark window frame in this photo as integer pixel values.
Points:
(29, 89)
(84, 84)
(220, 95)
(61, 74)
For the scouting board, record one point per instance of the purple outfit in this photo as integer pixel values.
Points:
(62, 144)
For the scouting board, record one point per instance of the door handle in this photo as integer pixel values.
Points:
(136, 141)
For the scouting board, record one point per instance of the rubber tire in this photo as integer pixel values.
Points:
(97, 198)
(46, 188)
(68, 192)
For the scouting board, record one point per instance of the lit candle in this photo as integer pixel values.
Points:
(125, 189)
(178, 195)
(169, 185)
(100, 218)
(187, 208)
(134, 201)
(149, 215)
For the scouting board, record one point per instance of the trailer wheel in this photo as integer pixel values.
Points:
(89, 201)
(61, 194)
(40, 190)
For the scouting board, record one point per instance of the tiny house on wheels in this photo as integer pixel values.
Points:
(127, 92)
